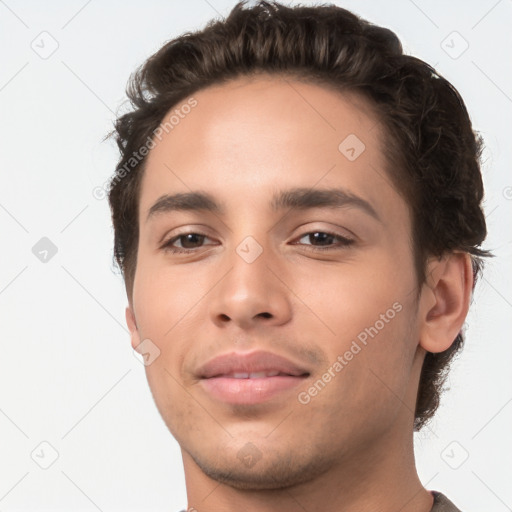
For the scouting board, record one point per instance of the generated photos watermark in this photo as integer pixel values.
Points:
(172, 120)
(305, 397)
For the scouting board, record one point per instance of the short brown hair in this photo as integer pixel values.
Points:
(434, 153)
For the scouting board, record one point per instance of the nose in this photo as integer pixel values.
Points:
(252, 293)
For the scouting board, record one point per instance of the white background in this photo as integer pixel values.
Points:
(68, 375)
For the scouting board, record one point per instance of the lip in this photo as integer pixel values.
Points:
(217, 376)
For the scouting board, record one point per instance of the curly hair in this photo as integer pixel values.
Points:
(432, 152)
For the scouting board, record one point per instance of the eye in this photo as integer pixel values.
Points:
(325, 240)
(189, 242)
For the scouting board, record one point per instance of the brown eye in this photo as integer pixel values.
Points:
(324, 240)
(188, 243)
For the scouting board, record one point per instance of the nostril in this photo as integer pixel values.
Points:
(266, 315)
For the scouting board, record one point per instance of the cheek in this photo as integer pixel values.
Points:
(162, 297)
(170, 310)
(367, 379)
(347, 299)
(363, 314)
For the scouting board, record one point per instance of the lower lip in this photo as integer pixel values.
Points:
(249, 391)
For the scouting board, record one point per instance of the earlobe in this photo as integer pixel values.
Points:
(444, 301)
(132, 326)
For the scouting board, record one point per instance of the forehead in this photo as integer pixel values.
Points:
(252, 134)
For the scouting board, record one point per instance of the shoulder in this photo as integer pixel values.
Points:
(442, 503)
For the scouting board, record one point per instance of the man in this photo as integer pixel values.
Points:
(297, 215)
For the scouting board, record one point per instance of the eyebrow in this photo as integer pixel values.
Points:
(292, 199)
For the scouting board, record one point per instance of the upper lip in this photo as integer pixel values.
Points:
(249, 362)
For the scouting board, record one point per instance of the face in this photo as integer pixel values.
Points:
(301, 250)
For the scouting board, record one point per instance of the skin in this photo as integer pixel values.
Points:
(351, 447)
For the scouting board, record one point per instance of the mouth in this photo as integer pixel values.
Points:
(250, 390)
(250, 378)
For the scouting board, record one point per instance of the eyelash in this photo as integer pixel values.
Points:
(344, 242)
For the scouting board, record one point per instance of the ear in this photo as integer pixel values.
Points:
(132, 326)
(444, 301)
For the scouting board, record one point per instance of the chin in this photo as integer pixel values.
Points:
(246, 471)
